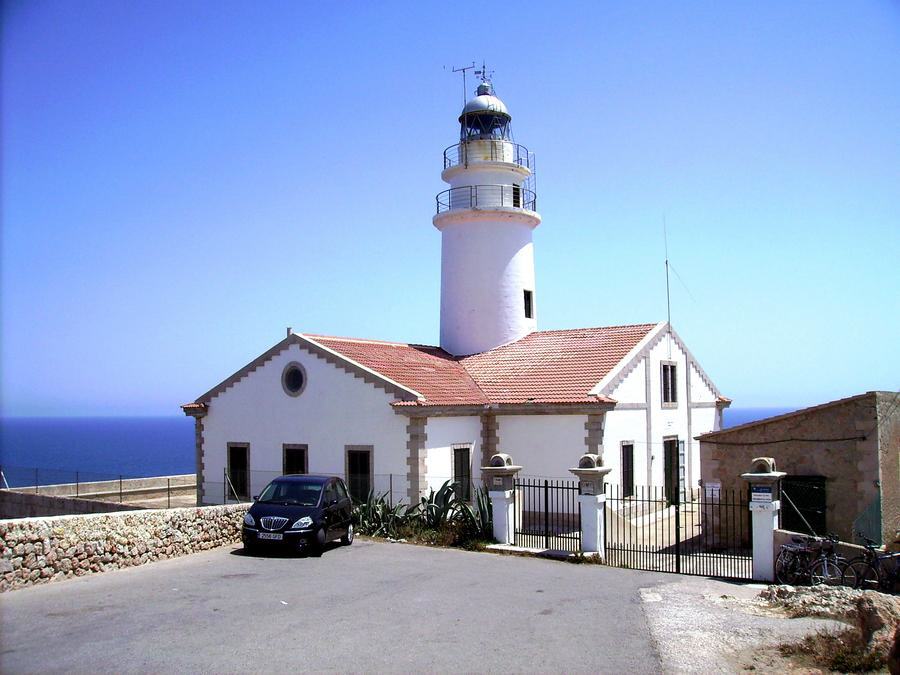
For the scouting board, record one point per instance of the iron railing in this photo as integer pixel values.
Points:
(547, 514)
(473, 151)
(145, 491)
(486, 197)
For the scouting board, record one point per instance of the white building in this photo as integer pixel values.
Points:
(403, 417)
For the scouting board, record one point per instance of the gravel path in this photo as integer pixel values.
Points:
(703, 625)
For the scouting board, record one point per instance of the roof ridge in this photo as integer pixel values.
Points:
(572, 330)
(373, 341)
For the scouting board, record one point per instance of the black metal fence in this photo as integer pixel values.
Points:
(547, 514)
(486, 197)
(487, 150)
(704, 533)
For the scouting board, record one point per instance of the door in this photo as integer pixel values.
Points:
(671, 469)
(294, 459)
(345, 506)
(330, 504)
(238, 472)
(462, 473)
(359, 474)
(803, 504)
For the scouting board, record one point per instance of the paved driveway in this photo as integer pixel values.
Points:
(371, 606)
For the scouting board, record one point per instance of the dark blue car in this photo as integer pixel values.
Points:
(299, 511)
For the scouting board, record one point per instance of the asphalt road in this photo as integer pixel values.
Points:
(368, 607)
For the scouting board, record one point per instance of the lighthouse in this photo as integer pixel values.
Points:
(486, 219)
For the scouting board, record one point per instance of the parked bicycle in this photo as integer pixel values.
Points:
(810, 560)
(873, 570)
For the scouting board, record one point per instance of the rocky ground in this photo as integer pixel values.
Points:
(707, 626)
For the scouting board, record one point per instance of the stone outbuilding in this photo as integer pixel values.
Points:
(842, 461)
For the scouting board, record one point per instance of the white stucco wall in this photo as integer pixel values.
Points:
(334, 410)
(631, 425)
(544, 445)
(443, 433)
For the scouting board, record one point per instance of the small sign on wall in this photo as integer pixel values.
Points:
(760, 493)
(587, 488)
(498, 481)
(712, 488)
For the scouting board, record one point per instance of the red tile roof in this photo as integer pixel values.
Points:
(554, 367)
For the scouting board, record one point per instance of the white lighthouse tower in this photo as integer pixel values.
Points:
(486, 219)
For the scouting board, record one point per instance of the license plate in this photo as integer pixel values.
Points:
(271, 535)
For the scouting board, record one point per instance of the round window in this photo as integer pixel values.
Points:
(293, 379)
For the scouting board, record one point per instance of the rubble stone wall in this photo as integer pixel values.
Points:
(38, 550)
(23, 505)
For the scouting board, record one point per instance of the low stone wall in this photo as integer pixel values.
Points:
(23, 505)
(37, 550)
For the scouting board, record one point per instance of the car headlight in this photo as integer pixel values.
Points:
(248, 520)
(302, 523)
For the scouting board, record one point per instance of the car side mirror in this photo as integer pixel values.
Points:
(255, 498)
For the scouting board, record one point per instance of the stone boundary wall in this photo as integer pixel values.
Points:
(23, 505)
(38, 550)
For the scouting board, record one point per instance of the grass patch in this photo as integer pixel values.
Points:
(841, 650)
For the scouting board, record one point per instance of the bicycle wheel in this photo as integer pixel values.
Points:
(861, 574)
(827, 571)
(787, 567)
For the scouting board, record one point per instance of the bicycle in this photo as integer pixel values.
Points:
(871, 571)
(811, 560)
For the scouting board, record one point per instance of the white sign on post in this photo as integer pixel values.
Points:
(498, 481)
(761, 493)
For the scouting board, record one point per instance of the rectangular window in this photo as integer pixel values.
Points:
(238, 472)
(359, 472)
(462, 472)
(529, 305)
(517, 196)
(627, 469)
(669, 385)
(294, 459)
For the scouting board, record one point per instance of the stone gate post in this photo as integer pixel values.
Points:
(765, 503)
(500, 476)
(592, 500)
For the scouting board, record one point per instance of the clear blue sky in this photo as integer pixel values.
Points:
(182, 180)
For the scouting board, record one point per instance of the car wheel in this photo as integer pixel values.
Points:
(347, 539)
(320, 538)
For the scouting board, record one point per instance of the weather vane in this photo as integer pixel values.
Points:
(484, 73)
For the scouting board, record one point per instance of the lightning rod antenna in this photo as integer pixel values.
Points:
(668, 297)
(463, 71)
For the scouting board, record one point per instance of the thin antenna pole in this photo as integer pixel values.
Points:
(668, 295)
(463, 71)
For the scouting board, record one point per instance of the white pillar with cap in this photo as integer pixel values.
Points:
(592, 500)
(765, 503)
(500, 475)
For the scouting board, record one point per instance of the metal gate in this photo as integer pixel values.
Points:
(703, 532)
(547, 514)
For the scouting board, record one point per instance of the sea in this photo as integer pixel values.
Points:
(48, 450)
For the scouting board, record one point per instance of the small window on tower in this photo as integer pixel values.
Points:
(529, 305)
(669, 385)
(517, 196)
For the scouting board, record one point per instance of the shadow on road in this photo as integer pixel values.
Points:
(285, 552)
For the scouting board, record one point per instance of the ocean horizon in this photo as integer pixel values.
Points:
(61, 449)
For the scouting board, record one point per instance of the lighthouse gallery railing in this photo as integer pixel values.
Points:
(488, 150)
(486, 197)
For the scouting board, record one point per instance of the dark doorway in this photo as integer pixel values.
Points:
(294, 459)
(627, 469)
(462, 473)
(670, 467)
(803, 504)
(359, 474)
(238, 472)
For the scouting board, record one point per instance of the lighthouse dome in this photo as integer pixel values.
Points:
(484, 102)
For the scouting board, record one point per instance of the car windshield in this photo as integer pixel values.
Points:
(291, 492)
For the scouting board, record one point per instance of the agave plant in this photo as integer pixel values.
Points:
(478, 519)
(377, 517)
(438, 508)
